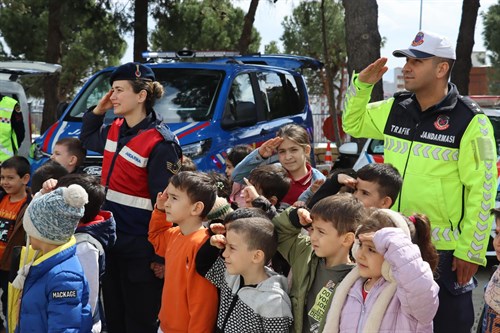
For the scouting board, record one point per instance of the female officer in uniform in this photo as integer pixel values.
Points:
(140, 154)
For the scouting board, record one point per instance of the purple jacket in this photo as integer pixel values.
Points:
(415, 302)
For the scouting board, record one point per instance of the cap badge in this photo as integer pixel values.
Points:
(137, 71)
(419, 39)
(442, 122)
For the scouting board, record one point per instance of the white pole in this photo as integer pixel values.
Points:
(420, 24)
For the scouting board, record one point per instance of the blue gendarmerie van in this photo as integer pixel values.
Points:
(210, 106)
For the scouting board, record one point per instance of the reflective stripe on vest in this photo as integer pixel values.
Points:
(129, 200)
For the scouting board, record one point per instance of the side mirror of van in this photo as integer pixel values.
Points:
(245, 114)
(349, 148)
(61, 107)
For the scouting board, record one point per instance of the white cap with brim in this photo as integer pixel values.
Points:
(428, 45)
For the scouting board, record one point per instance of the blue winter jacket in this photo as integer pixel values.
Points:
(56, 294)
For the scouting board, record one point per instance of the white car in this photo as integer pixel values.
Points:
(10, 72)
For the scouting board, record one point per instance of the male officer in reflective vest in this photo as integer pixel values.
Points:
(11, 127)
(443, 146)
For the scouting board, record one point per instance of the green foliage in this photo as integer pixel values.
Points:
(199, 25)
(302, 36)
(272, 48)
(491, 20)
(89, 31)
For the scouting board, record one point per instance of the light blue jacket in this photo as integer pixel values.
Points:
(253, 160)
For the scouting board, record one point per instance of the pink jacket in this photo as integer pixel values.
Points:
(415, 302)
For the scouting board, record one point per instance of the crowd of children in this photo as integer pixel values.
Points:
(359, 266)
(265, 247)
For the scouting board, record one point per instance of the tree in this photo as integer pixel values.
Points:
(465, 43)
(83, 36)
(491, 32)
(246, 32)
(301, 36)
(272, 48)
(140, 28)
(199, 25)
(362, 38)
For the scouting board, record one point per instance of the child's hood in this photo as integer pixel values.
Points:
(103, 229)
(275, 283)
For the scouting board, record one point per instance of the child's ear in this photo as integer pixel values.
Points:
(273, 200)
(258, 257)
(307, 149)
(386, 202)
(198, 207)
(348, 239)
(26, 179)
(72, 160)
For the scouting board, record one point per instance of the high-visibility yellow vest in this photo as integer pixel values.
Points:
(8, 138)
(446, 156)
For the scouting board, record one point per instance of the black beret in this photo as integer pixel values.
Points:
(132, 71)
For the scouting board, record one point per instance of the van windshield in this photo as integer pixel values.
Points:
(190, 95)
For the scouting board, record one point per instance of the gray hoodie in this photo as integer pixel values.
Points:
(265, 307)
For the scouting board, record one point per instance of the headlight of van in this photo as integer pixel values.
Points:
(197, 149)
(36, 152)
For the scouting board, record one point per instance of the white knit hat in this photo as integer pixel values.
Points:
(53, 217)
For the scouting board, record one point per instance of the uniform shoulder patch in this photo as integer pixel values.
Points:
(470, 104)
(174, 167)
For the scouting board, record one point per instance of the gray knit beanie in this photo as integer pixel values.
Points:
(53, 217)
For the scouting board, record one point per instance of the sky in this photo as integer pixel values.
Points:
(398, 21)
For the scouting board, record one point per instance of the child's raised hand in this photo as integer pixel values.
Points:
(270, 147)
(304, 216)
(48, 186)
(347, 180)
(316, 185)
(219, 241)
(161, 199)
(218, 228)
(249, 193)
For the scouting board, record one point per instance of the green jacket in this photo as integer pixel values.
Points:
(446, 156)
(296, 249)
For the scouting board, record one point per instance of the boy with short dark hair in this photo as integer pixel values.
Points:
(253, 298)
(320, 261)
(48, 170)
(375, 185)
(272, 182)
(189, 301)
(14, 198)
(69, 152)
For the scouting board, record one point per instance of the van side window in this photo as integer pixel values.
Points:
(280, 95)
(241, 101)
